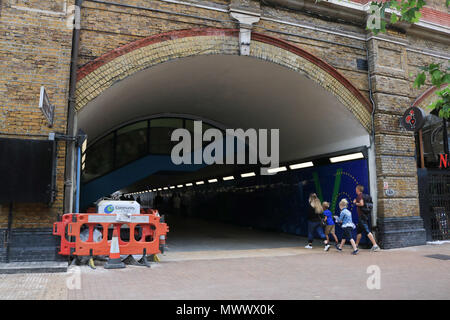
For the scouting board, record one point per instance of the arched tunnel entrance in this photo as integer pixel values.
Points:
(129, 125)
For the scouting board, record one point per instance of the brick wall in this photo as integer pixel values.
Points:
(107, 27)
(35, 49)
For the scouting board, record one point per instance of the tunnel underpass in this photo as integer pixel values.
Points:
(129, 150)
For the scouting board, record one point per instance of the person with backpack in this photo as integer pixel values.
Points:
(364, 207)
(315, 212)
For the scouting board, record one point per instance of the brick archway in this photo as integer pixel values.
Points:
(100, 74)
(427, 98)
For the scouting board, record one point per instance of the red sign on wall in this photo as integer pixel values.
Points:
(413, 119)
(443, 160)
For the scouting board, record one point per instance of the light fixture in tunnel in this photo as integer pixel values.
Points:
(189, 184)
(212, 180)
(228, 178)
(165, 188)
(249, 174)
(199, 182)
(347, 157)
(159, 189)
(301, 165)
(276, 170)
(172, 187)
(180, 186)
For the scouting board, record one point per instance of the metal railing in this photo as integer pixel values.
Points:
(434, 189)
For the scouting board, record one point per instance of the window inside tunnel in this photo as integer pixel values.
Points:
(223, 206)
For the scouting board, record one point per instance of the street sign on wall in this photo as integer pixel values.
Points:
(46, 107)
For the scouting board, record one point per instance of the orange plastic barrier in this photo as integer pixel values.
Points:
(145, 231)
(60, 229)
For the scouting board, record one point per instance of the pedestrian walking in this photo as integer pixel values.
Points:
(364, 204)
(158, 202)
(330, 227)
(347, 226)
(315, 213)
(176, 204)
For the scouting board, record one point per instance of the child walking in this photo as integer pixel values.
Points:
(347, 226)
(330, 226)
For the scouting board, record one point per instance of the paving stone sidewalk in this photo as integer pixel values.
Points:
(276, 273)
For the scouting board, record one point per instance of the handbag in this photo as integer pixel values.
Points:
(323, 224)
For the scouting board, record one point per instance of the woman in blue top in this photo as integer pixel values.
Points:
(347, 226)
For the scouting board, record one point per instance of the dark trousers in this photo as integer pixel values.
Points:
(312, 226)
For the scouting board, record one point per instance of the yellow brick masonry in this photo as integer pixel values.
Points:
(35, 50)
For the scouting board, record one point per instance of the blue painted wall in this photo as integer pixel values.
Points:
(279, 202)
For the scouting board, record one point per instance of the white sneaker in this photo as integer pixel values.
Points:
(326, 247)
(308, 246)
(375, 248)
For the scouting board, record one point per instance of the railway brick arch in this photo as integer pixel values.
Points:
(428, 97)
(97, 76)
(119, 38)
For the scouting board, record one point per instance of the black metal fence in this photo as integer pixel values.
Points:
(434, 197)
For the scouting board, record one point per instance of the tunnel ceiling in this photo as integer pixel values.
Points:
(236, 92)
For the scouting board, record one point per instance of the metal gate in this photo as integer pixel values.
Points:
(434, 197)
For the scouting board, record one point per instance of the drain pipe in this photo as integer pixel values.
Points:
(371, 150)
(8, 232)
(71, 118)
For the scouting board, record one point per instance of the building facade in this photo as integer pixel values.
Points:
(370, 75)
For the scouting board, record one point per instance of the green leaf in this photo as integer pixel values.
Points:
(432, 106)
(436, 78)
(394, 18)
(421, 3)
(433, 66)
(420, 80)
(417, 14)
(446, 78)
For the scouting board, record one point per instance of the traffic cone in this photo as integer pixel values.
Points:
(114, 261)
(162, 243)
